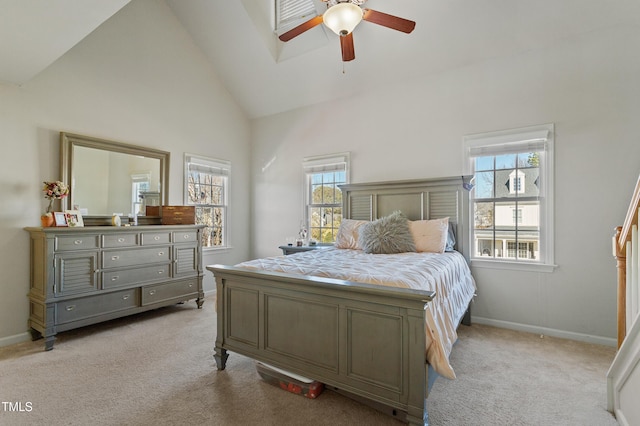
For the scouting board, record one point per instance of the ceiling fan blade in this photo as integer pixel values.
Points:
(295, 32)
(389, 21)
(346, 43)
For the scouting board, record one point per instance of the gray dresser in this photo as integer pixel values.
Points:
(81, 276)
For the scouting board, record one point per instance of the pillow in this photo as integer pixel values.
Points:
(451, 238)
(430, 235)
(347, 237)
(387, 235)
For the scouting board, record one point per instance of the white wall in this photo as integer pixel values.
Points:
(138, 78)
(587, 86)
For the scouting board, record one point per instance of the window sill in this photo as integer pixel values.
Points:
(216, 249)
(513, 266)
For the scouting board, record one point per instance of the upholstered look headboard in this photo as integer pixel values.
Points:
(417, 199)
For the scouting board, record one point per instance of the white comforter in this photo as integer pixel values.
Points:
(447, 274)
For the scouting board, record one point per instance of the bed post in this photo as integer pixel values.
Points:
(417, 413)
(220, 354)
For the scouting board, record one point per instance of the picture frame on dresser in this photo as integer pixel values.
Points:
(74, 218)
(60, 218)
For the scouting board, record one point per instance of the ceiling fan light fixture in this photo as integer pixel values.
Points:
(342, 18)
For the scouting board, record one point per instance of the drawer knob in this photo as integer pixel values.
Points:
(115, 257)
(115, 278)
(160, 253)
(190, 285)
(152, 292)
(125, 297)
(77, 242)
(160, 272)
(70, 307)
(186, 236)
(121, 240)
(157, 238)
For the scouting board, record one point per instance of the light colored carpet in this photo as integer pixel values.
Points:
(157, 368)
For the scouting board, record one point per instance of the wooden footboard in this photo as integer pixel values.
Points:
(366, 340)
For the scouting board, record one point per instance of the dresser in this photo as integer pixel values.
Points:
(82, 276)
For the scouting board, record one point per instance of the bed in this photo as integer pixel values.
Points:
(380, 339)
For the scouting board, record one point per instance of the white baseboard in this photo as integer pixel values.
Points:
(606, 341)
(17, 338)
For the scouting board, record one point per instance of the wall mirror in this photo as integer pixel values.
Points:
(107, 178)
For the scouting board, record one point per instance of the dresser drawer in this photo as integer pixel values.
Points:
(122, 277)
(76, 242)
(133, 257)
(151, 238)
(86, 307)
(185, 237)
(162, 292)
(119, 240)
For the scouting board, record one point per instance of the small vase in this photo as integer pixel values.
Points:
(46, 220)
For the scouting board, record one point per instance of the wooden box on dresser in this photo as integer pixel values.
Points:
(85, 275)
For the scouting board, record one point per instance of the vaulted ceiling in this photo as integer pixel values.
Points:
(267, 76)
(33, 34)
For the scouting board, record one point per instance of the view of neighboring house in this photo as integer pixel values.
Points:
(507, 206)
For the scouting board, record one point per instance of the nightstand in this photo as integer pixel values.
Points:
(286, 250)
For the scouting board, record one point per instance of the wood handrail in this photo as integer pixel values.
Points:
(630, 220)
(620, 239)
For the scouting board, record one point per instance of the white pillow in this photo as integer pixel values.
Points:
(347, 237)
(430, 235)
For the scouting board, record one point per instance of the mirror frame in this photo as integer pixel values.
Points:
(69, 140)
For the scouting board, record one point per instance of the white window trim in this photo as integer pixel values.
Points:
(509, 141)
(316, 164)
(225, 169)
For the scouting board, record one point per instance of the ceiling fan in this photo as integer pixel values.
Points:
(342, 16)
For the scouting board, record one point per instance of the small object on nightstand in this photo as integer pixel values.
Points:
(286, 250)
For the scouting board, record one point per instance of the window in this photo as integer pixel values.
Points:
(139, 187)
(323, 197)
(516, 181)
(517, 216)
(290, 13)
(206, 187)
(512, 197)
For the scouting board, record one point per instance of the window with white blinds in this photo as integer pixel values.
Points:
(512, 197)
(290, 13)
(323, 197)
(206, 187)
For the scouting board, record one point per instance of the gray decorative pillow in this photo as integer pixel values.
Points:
(387, 235)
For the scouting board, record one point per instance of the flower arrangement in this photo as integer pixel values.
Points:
(55, 190)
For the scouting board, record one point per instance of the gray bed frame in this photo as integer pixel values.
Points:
(365, 341)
